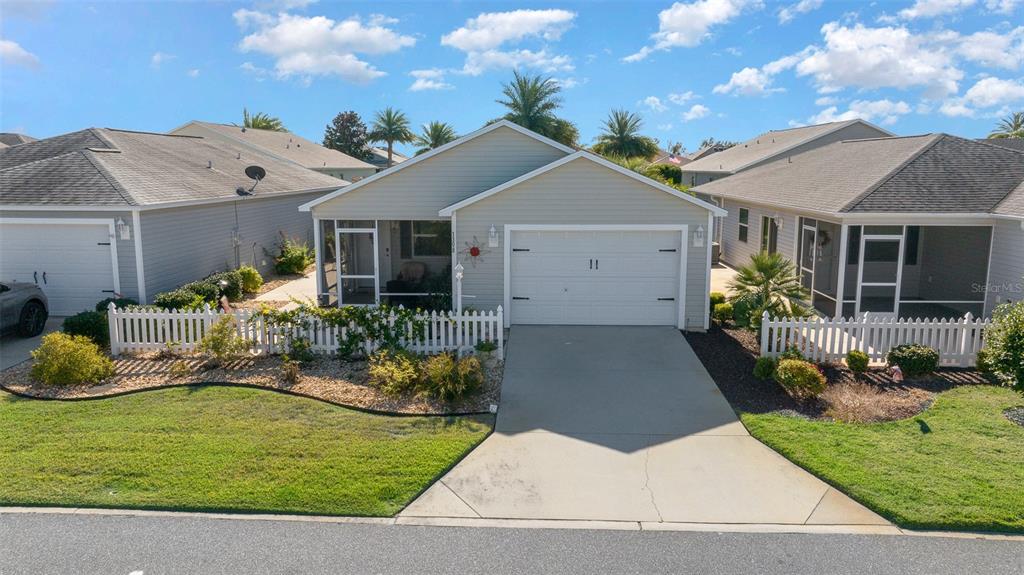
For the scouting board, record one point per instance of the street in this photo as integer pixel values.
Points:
(40, 543)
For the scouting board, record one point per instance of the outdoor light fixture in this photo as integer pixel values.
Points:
(124, 231)
(698, 237)
(492, 237)
(778, 221)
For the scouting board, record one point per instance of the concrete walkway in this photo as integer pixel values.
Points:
(302, 289)
(624, 424)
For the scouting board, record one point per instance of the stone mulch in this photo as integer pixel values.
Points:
(1016, 415)
(329, 379)
(729, 355)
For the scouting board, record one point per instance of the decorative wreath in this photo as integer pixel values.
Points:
(474, 252)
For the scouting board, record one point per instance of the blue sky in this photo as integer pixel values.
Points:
(723, 68)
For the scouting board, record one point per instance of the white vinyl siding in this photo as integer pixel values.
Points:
(1006, 269)
(578, 193)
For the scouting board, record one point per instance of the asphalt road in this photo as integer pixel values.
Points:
(41, 544)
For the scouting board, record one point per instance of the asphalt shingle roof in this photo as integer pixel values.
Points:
(287, 145)
(139, 169)
(50, 147)
(1012, 143)
(12, 139)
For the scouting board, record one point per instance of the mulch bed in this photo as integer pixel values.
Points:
(729, 355)
(329, 379)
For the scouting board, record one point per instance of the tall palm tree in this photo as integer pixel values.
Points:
(434, 135)
(620, 136)
(1011, 126)
(767, 283)
(261, 121)
(532, 102)
(390, 125)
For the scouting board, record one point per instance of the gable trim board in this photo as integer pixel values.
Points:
(416, 160)
(448, 211)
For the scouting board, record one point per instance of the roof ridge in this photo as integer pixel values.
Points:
(47, 158)
(109, 177)
(150, 133)
(791, 128)
(860, 197)
(102, 137)
(983, 142)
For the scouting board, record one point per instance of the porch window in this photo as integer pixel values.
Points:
(426, 239)
(744, 224)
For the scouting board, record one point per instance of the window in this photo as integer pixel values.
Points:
(744, 224)
(769, 235)
(426, 239)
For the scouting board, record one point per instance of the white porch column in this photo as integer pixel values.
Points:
(844, 235)
(319, 259)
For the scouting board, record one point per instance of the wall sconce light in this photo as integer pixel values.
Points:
(698, 237)
(492, 237)
(779, 220)
(124, 231)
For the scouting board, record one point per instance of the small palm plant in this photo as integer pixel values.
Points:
(261, 121)
(391, 126)
(767, 283)
(1011, 126)
(435, 135)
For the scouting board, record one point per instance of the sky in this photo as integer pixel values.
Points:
(728, 69)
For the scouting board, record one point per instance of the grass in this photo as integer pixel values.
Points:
(209, 448)
(959, 465)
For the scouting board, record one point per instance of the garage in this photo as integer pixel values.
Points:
(596, 276)
(73, 261)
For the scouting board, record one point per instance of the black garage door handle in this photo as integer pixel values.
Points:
(519, 298)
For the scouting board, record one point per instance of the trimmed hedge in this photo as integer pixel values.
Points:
(723, 312)
(90, 324)
(800, 379)
(764, 368)
(913, 359)
(120, 302)
(207, 290)
(857, 361)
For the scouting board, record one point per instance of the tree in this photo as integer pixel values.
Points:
(532, 102)
(1004, 345)
(767, 283)
(711, 142)
(390, 125)
(675, 148)
(620, 136)
(261, 121)
(434, 135)
(347, 134)
(1011, 126)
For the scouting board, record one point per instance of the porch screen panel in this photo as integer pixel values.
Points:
(328, 264)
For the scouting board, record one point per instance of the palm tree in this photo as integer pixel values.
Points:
(767, 283)
(435, 135)
(531, 103)
(621, 137)
(1011, 126)
(390, 125)
(261, 121)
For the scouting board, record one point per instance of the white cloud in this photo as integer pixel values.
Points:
(192, 73)
(885, 112)
(158, 58)
(680, 98)
(993, 49)
(664, 127)
(431, 79)
(319, 46)
(787, 13)
(826, 101)
(282, 5)
(654, 104)
(688, 24)
(12, 52)
(933, 8)
(482, 39)
(1002, 6)
(747, 82)
(696, 112)
(569, 82)
(989, 92)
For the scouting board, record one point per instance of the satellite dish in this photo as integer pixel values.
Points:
(255, 173)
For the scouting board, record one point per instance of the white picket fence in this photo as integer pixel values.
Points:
(134, 329)
(828, 340)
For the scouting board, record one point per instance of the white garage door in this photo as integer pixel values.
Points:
(595, 277)
(71, 262)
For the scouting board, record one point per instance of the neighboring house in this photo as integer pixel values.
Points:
(285, 146)
(12, 139)
(665, 157)
(104, 211)
(920, 226)
(707, 151)
(379, 158)
(554, 235)
(1012, 143)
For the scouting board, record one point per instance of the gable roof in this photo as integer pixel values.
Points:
(581, 155)
(768, 145)
(666, 157)
(916, 174)
(1011, 143)
(285, 145)
(436, 151)
(55, 146)
(380, 156)
(15, 139)
(135, 169)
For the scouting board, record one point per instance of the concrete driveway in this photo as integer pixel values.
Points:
(15, 349)
(624, 424)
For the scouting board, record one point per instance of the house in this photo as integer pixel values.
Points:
(284, 146)
(554, 235)
(668, 158)
(102, 211)
(707, 151)
(919, 226)
(13, 139)
(379, 158)
(772, 145)
(1012, 143)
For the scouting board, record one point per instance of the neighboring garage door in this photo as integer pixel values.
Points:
(598, 277)
(73, 263)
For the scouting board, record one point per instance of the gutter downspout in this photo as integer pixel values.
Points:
(140, 271)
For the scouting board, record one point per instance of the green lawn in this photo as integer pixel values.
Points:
(223, 449)
(959, 465)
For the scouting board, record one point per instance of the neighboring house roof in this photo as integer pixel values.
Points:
(767, 146)
(379, 156)
(438, 150)
(665, 157)
(122, 168)
(1011, 143)
(704, 152)
(13, 139)
(915, 174)
(581, 155)
(285, 145)
(1013, 204)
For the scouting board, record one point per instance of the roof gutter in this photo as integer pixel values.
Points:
(166, 205)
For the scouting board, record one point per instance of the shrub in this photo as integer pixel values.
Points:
(981, 362)
(394, 371)
(252, 281)
(118, 301)
(723, 312)
(70, 359)
(856, 403)
(667, 172)
(91, 324)
(717, 297)
(223, 342)
(180, 298)
(764, 368)
(792, 352)
(913, 359)
(290, 371)
(857, 361)
(180, 369)
(449, 378)
(485, 346)
(300, 350)
(800, 379)
(209, 291)
(293, 256)
(232, 287)
(1004, 345)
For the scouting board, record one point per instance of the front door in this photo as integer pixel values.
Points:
(881, 258)
(357, 264)
(769, 235)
